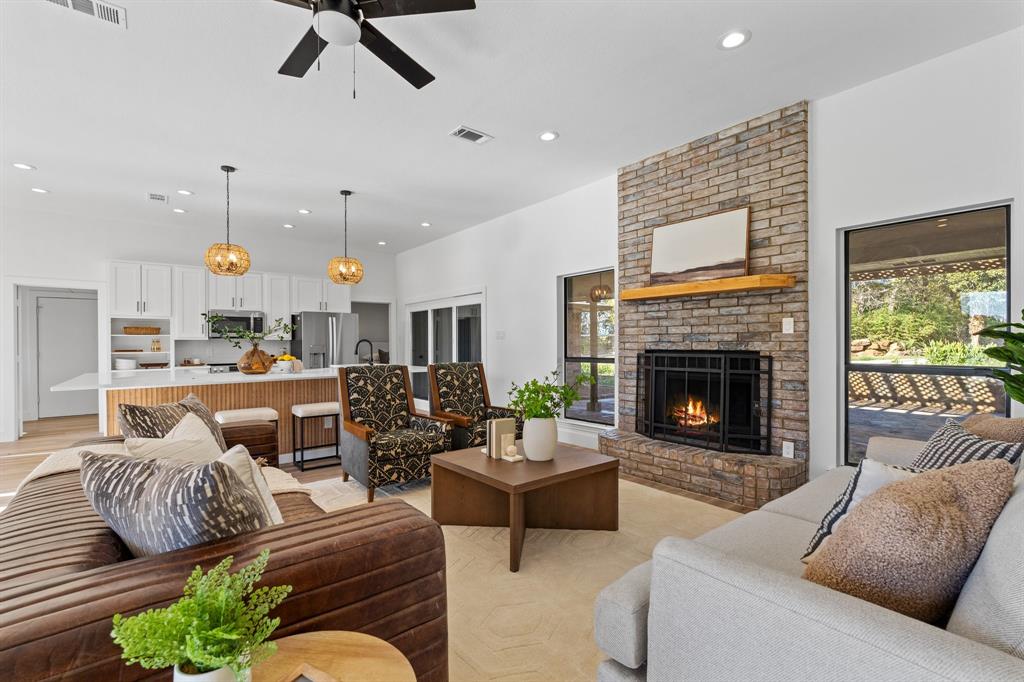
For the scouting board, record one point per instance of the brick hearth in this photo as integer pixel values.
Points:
(747, 480)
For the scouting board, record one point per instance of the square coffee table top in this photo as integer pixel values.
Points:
(570, 461)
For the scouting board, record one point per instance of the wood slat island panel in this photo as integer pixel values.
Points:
(280, 395)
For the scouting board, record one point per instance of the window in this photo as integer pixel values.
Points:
(589, 345)
(916, 293)
(446, 330)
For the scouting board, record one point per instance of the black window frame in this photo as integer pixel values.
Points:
(849, 365)
(586, 359)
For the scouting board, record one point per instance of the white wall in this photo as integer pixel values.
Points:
(944, 134)
(515, 260)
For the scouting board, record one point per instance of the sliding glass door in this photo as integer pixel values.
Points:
(916, 293)
(443, 330)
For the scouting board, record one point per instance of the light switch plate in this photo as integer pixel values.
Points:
(328, 422)
(787, 448)
(499, 335)
(787, 325)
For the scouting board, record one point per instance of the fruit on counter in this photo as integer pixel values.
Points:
(286, 357)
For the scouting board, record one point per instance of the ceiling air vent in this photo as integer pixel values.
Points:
(470, 135)
(153, 196)
(104, 11)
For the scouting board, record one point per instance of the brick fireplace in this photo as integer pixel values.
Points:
(761, 163)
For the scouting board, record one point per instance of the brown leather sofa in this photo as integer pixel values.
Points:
(376, 568)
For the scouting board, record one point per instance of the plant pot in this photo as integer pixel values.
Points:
(224, 674)
(540, 438)
(254, 361)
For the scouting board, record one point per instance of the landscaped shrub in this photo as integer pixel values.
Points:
(955, 353)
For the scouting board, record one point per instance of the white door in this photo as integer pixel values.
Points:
(221, 292)
(337, 297)
(277, 302)
(125, 290)
(189, 303)
(308, 294)
(156, 290)
(66, 347)
(250, 292)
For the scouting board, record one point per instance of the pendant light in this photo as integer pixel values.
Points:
(225, 258)
(601, 291)
(342, 269)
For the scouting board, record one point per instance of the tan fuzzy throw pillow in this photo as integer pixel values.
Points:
(991, 427)
(910, 546)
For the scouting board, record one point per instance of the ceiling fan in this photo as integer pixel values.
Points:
(344, 22)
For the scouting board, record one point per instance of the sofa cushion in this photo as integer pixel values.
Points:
(990, 609)
(813, 499)
(910, 546)
(459, 389)
(158, 506)
(377, 398)
(620, 617)
(953, 444)
(156, 421)
(991, 427)
(771, 540)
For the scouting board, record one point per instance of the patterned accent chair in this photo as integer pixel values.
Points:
(458, 393)
(383, 439)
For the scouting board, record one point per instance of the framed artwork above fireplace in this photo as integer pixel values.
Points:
(714, 246)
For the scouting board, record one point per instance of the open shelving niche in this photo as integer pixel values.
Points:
(118, 340)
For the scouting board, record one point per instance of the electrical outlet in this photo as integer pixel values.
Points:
(787, 448)
(328, 422)
(787, 325)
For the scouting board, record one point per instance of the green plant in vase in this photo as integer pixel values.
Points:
(538, 402)
(220, 625)
(254, 360)
(1011, 352)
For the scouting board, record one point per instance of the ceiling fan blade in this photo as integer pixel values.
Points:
(374, 9)
(303, 56)
(390, 54)
(304, 4)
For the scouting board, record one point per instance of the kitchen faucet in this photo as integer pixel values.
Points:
(361, 342)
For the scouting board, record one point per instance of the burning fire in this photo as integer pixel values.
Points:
(693, 414)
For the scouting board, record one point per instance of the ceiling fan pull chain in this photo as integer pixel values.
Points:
(353, 72)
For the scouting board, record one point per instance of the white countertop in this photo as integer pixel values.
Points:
(184, 376)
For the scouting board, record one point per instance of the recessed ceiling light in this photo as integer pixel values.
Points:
(304, 211)
(382, 243)
(548, 136)
(733, 39)
(424, 224)
(288, 226)
(40, 190)
(185, 192)
(179, 210)
(23, 166)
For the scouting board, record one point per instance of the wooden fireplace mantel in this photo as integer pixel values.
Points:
(710, 286)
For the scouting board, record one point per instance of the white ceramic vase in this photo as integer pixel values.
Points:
(224, 674)
(540, 438)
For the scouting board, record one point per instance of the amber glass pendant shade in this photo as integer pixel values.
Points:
(343, 270)
(227, 259)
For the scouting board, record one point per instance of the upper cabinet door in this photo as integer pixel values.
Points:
(337, 297)
(156, 290)
(189, 303)
(221, 292)
(277, 302)
(125, 290)
(307, 294)
(250, 292)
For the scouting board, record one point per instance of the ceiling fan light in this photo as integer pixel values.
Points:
(344, 270)
(336, 27)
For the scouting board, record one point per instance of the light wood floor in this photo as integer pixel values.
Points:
(42, 437)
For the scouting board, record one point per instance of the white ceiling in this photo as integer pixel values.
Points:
(108, 115)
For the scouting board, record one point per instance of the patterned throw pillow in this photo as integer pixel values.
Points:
(869, 477)
(156, 421)
(158, 506)
(189, 441)
(953, 444)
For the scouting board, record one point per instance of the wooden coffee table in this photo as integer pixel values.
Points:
(578, 490)
(345, 656)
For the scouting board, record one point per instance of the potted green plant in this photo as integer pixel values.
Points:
(254, 360)
(1011, 352)
(538, 402)
(215, 633)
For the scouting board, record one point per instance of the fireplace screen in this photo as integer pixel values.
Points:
(718, 400)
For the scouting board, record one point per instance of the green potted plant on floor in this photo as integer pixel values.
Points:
(254, 360)
(1011, 352)
(215, 633)
(538, 402)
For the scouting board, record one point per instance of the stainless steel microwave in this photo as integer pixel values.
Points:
(241, 320)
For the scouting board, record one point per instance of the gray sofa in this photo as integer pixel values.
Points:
(731, 605)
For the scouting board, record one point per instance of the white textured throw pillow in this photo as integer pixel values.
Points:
(241, 462)
(189, 441)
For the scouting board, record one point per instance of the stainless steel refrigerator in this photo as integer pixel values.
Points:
(325, 339)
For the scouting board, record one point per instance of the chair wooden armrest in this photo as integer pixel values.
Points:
(455, 419)
(443, 418)
(358, 430)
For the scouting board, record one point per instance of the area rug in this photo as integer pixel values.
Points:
(537, 625)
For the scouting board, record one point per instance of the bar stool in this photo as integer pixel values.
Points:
(300, 413)
(248, 414)
(253, 427)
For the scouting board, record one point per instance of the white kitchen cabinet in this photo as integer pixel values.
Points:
(307, 294)
(249, 291)
(125, 290)
(337, 297)
(156, 290)
(221, 292)
(189, 303)
(236, 293)
(277, 302)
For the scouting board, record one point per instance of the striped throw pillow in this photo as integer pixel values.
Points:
(160, 505)
(953, 444)
(156, 421)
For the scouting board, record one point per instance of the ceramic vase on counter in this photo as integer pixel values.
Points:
(255, 361)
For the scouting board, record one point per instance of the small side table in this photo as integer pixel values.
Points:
(346, 656)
